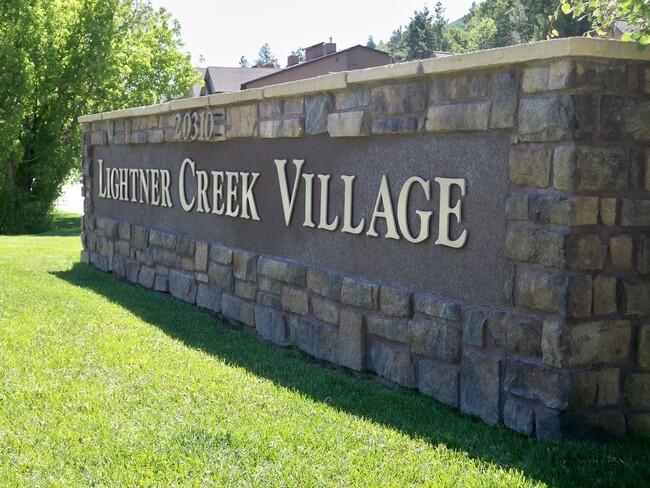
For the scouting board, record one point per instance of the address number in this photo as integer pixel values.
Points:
(193, 126)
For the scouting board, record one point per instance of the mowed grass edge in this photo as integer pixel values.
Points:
(105, 383)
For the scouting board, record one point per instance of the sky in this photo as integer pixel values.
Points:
(224, 31)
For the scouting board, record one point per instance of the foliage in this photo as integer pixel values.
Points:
(300, 52)
(62, 59)
(371, 42)
(265, 57)
(603, 14)
(103, 383)
(243, 62)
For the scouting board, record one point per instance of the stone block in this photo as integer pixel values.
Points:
(393, 362)
(548, 425)
(317, 110)
(271, 108)
(359, 294)
(515, 334)
(220, 254)
(625, 118)
(535, 382)
(237, 309)
(156, 136)
(395, 302)
(294, 127)
(584, 252)
(124, 231)
(221, 277)
(594, 388)
(138, 138)
(643, 261)
(396, 330)
(144, 123)
(325, 284)
(517, 206)
(295, 301)
(439, 381)
(293, 274)
(99, 138)
(437, 307)
(182, 286)
(315, 338)
(586, 344)
(591, 168)
(352, 340)
(646, 179)
(530, 167)
(637, 390)
(607, 207)
(560, 210)
(208, 297)
(604, 295)
(146, 276)
(161, 283)
(271, 325)
(202, 277)
(325, 310)
(643, 346)
(163, 240)
(398, 99)
(531, 245)
(352, 98)
(635, 213)
(435, 339)
(541, 290)
(348, 124)
(479, 386)
(201, 255)
(140, 237)
(518, 416)
(469, 116)
(243, 121)
(579, 296)
(554, 76)
(504, 101)
(119, 264)
(160, 256)
(293, 106)
(246, 290)
(245, 265)
(637, 294)
(474, 327)
(185, 246)
(620, 251)
(269, 300)
(458, 87)
(556, 118)
(270, 286)
(394, 125)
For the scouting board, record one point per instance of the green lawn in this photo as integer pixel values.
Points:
(105, 383)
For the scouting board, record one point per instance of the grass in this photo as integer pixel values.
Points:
(105, 383)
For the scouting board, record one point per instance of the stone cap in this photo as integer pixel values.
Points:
(522, 53)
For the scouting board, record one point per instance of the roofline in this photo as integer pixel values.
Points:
(243, 85)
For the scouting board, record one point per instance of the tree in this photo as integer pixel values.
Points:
(64, 59)
(439, 27)
(243, 62)
(300, 52)
(602, 15)
(420, 35)
(265, 56)
(371, 43)
(396, 45)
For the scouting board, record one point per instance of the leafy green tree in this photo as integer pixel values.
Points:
(420, 36)
(63, 59)
(371, 42)
(265, 56)
(602, 15)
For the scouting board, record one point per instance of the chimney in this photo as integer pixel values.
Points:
(313, 52)
(329, 48)
(292, 60)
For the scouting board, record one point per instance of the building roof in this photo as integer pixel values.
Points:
(221, 79)
(195, 91)
(315, 60)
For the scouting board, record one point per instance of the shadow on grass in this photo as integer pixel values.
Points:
(621, 463)
(64, 224)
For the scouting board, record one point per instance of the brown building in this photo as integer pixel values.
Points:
(219, 79)
(321, 59)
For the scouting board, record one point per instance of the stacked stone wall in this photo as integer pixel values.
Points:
(567, 352)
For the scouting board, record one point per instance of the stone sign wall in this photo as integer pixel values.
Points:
(476, 227)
